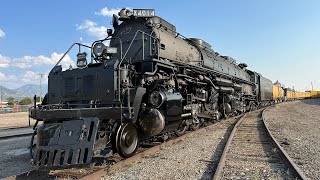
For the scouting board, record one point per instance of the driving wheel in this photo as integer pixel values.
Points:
(127, 140)
(181, 129)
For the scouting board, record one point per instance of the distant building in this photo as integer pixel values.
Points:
(4, 104)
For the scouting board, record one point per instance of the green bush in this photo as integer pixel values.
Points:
(26, 101)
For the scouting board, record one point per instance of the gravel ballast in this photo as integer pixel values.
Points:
(15, 120)
(195, 157)
(296, 126)
(15, 158)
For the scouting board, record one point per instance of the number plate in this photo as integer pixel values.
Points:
(143, 12)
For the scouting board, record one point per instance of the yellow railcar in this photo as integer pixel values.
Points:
(277, 93)
(294, 95)
(289, 94)
(307, 94)
(314, 94)
(299, 95)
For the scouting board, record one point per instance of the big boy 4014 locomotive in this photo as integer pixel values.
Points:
(148, 82)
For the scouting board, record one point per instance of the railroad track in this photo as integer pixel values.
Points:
(15, 133)
(116, 162)
(251, 152)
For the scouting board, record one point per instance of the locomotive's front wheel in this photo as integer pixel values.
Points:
(181, 129)
(196, 123)
(127, 140)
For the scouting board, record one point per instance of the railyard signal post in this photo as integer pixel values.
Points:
(41, 76)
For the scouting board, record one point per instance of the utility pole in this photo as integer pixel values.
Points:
(41, 76)
(311, 86)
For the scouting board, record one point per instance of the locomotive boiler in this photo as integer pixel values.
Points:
(143, 81)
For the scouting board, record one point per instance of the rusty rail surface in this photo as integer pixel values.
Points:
(288, 161)
(285, 155)
(222, 161)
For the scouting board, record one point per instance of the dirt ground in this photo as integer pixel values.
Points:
(296, 125)
(14, 120)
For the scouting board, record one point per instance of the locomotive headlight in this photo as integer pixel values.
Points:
(156, 98)
(98, 49)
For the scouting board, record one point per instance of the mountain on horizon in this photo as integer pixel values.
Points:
(32, 89)
(18, 94)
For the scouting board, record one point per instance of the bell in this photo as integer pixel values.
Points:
(123, 14)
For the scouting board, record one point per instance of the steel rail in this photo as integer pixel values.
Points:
(155, 149)
(285, 157)
(103, 171)
(125, 162)
(217, 174)
(15, 136)
(283, 153)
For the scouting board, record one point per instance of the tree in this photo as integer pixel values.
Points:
(10, 100)
(25, 101)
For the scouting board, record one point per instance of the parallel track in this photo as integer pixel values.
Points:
(15, 136)
(96, 172)
(9, 133)
(251, 152)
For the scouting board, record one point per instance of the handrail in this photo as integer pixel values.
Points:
(143, 33)
(120, 41)
(79, 44)
(124, 56)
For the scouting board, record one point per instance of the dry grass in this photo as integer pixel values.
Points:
(15, 120)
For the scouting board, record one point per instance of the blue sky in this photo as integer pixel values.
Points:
(279, 39)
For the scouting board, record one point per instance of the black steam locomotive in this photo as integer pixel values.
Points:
(148, 82)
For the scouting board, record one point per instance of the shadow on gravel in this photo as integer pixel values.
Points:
(214, 160)
(311, 101)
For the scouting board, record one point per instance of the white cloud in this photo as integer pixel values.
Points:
(31, 61)
(2, 76)
(106, 12)
(93, 29)
(12, 78)
(29, 77)
(16, 72)
(86, 25)
(2, 34)
(4, 61)
(22, 65)
(36, 61)
(66, 61)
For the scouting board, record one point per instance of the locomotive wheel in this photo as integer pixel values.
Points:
(195, 125)
(181, 129)
(226, 116)
(127, 140)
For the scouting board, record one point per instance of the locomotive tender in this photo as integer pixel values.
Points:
(149, 81)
